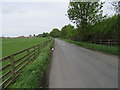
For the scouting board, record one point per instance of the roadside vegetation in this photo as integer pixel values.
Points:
(91, 26)
(96, 47)
(14, 45)
(33, 73)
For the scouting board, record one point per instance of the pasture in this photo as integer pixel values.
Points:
(13, 45)
(10, 46)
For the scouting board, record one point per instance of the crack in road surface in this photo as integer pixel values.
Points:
(77, 67)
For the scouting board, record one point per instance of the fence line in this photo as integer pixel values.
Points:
(16, 62)
(107, 42)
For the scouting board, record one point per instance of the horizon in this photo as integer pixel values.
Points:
(26, 18)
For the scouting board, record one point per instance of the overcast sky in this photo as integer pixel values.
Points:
(25, 18)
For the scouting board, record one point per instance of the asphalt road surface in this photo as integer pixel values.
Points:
(77, 67)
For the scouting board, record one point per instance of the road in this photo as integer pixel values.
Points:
(76, 67)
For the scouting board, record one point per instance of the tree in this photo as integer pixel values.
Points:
(64, 31)
(68, 32)
(45, 34)
(30, 35)
(55, 33)
(85, 14)
(34, 35)
(106, 29)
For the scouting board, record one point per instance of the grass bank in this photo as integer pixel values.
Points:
(105, 49)
(33, 73)
(14, 45)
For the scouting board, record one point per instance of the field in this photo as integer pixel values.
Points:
(13, 45)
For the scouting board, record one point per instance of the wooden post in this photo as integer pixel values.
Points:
(109, 42)
(100, 42)
(38, 49)
(34, 53)
(28, 51)
(12, 68)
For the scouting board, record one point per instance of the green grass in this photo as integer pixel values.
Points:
(33, 73)
(96, 47)
(13, 45)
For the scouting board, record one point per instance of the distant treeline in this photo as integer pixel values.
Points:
(106, 29)
(90, 23)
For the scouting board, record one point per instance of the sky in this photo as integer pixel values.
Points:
(26, 17)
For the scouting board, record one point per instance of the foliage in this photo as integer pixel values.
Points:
(14, 45)
(90, 22)
(33, 73)
(85, 13)
(55, 33)
(102, 48)
(106, 29)
(44, 34)
(68, 32)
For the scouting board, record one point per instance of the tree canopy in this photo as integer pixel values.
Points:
(84, 15)
(90, 23)
(55, 33)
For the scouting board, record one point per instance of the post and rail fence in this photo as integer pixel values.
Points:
(113, 42)
(13, 65)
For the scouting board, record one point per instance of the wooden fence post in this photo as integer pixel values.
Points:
(12, 68)
(34, 52)
(109, 42)
(38, 49)
(28, 51)
(100, 42)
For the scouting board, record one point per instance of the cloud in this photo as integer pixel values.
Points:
(35, 18)
(108, 9)
(0, 19)
(34, 0)
(25, 18)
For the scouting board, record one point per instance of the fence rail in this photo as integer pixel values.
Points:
(107, 42)
(16, 62)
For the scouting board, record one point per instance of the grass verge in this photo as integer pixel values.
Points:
(33, 73)
(105, 49)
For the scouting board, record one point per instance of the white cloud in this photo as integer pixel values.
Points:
(34, 0)
(33, 18)
(0, 19)
(108, 9)
(24, 18)
(53, 0)
(110, 0)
